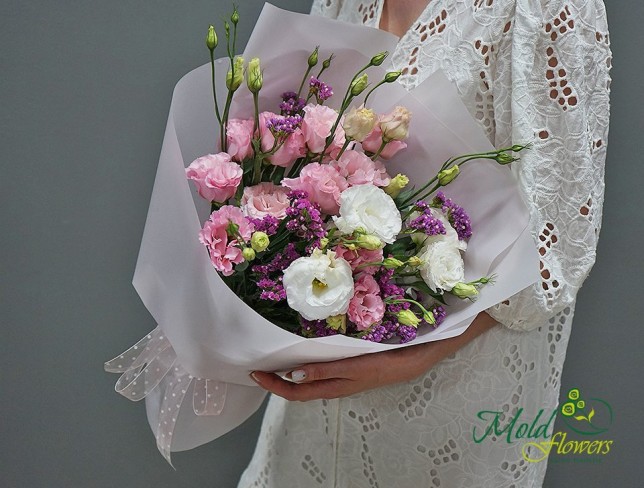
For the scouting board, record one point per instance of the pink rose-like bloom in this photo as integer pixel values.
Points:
(359, 257)
(239, 134)
(223, 254)
(372, 143)
(230, 213)
(215, 176)
(316, 127)
(264, 199)
(395, 124)
(359, 169)
(366, 307)
(293, 148)
(323, 183)
(223, 250)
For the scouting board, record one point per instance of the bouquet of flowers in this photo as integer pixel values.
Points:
(328, 228)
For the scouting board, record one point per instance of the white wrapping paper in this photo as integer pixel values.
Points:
(207, 339)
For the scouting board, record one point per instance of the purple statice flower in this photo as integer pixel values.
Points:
(426, 222)
(455, 214)
(291, 104)
(439, 314)
(305, 219)
(406, 333)
(316, 328)
(272, 288)
(268, 224)
(388, 288)
(283, 125)
(321, 90)
(280, 261)
(376, 333)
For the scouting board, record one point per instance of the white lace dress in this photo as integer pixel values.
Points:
(528, 70)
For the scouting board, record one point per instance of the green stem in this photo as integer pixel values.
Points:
(214, 95)
(371, 91)
(299, 164)
(418, 192)
(344, 147)
(306, 75)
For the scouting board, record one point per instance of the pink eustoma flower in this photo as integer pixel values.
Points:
(323, 184)
(316, 127)
(216, 176)
(373, 141)
(265, 199)
(366, 307)
(359, 257)
(359, 169)
(222, 247)
(293, 148)
(239, 135)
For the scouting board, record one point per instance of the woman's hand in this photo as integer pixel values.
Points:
(346, 377)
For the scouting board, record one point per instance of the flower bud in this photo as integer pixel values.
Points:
(359, 84)
(232, 229)
(211, 38)
(248, 253)
(392, 76)
(391, 263)
(324, 242)
(254, 78)
(227, 29)
(395, 125)
(351, 247)
(396, 185)
(505, 158)
(464, 290)
(259, 241)
(234, 18)
(327, 62)
(379, 58)
(313, 58)
(407, 317)
(234, 82)
(414, 261)
(337, 322)
(369, 242)
(358, 123)
(446, 176)
(520, 147)
(429, 317)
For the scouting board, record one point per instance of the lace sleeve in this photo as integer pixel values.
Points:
(558, 96)
(326, 8)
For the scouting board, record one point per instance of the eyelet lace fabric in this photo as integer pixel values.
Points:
(528, 71)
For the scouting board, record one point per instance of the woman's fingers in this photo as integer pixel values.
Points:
(326, 388)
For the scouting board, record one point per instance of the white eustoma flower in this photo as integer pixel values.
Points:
(319, 286)
(370, 208)
(442, 265)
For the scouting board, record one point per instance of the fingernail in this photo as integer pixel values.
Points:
(255, 378)
(298, 375)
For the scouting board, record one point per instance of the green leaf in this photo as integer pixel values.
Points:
(580, 417)
(591, 414)
(422, 286)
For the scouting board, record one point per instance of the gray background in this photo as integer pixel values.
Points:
(84, 97)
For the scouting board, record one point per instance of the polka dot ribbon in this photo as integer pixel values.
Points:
(152, 363)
